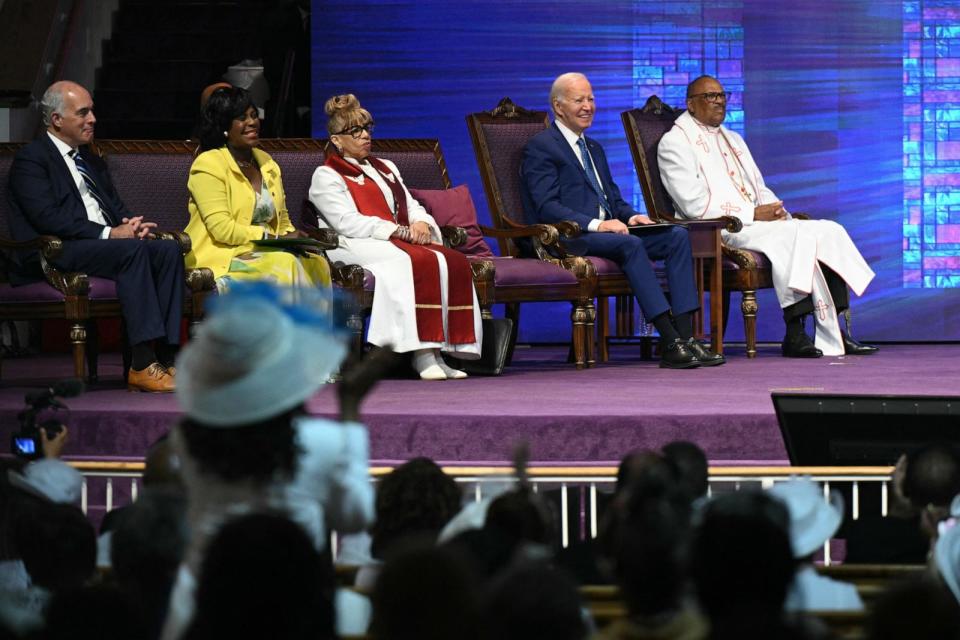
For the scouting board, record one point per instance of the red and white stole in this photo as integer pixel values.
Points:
(370, 201)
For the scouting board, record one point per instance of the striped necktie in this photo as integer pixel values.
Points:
(592, 174)
(92, 187)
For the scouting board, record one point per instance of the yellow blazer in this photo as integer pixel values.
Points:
(221, 209)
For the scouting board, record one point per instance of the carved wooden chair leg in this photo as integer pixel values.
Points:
(578, 318)
(589, 332)
(355, 326)
(749, 308)
(78, 338)
(603, 327)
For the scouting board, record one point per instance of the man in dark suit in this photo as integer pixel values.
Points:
(565, 176)
(58, 188)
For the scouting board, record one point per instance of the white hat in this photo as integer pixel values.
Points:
(946, 554)
(813, 520)
(256, 357)
(50, 478)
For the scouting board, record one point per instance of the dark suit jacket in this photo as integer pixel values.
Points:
(555, 186)
(44, 200)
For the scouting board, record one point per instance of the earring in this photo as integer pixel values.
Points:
(225, 134)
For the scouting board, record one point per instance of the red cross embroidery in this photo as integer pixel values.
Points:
(821, 308)
(703, 143)
(727, 208)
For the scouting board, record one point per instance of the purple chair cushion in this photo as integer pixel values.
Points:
(525, 272)
(29, 293)
(605, 266)
(369, 281)
(762, 261)
(100, 289)
(454, 207)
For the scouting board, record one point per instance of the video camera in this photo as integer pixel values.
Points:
(26, 443)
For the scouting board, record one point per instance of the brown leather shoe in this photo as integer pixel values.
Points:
(153, 379)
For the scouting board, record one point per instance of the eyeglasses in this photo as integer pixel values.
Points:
(712, 96)
(357, 131)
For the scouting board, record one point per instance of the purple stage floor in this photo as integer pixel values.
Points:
(569, 417)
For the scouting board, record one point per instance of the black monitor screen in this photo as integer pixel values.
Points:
(853, 430)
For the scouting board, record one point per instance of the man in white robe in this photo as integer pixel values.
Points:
(709, 172)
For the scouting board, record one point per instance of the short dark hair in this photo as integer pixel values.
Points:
(146, 549)
(415, 498)
(57, 544)
(694, 82)
(932, 475)
(254, 451)
(261, 577)
(692, 467)
(646, 535)
(741, 558)
(425, 592)
(533, 600)
(225, 105)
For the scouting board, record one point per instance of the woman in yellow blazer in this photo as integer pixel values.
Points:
(236, 197)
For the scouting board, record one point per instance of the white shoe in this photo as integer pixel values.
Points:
(433, 372)
(425, 363)
(452, 374)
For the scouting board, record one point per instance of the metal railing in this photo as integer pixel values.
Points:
(579, 487)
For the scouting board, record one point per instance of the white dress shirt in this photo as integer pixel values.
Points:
(572, 139)
(94, 214)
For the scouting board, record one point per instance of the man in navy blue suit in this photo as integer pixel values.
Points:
(565, 176)
(58, 188)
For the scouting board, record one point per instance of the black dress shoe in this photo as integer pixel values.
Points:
(676, 354)
(706, 357)
(853, 348)
(800, 346)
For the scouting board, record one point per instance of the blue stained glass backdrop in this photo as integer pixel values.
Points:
(851, 109)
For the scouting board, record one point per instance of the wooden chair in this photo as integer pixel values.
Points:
(744, 271)
(76, 297)
(499, 137)
(421, 163)
(151, 178)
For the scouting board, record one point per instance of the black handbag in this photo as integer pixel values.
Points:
(497, 333)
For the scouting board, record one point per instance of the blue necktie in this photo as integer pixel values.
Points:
(92, 187)
(592, 174)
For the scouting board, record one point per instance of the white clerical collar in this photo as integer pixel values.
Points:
(61, 146)
(705, 127)
(568, 135)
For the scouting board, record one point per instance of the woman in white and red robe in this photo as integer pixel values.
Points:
(424, 299)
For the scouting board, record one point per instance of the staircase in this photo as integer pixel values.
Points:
(162, 55)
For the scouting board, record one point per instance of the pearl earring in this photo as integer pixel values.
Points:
(225, 134)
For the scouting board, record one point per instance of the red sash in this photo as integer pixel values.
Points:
(370, 201)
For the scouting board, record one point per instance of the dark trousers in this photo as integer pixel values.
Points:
(634, 252)
(838, 291)
(149, 277)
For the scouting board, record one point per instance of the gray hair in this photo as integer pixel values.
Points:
(52, 102)
(560, 84)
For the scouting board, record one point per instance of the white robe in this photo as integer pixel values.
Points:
(364, 240)
(709, 172)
